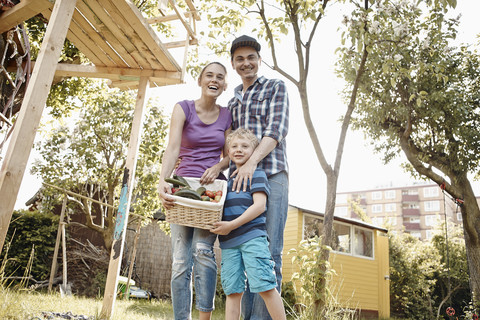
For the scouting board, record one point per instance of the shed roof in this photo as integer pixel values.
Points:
(343, 219)
(115, 37)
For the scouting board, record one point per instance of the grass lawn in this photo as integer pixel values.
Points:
(28, 304)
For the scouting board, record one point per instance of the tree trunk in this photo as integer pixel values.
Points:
(471, 226)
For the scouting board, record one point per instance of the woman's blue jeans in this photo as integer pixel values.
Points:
(253, 307)
(192, 250)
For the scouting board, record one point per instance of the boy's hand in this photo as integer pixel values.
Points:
(222, 228)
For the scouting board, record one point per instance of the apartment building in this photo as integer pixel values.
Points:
(415, 209)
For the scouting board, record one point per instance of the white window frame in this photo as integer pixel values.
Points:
(377, 208)
(377, 195)
(390, 194)
(433, 205)
(351, 235)
(353, 243)
(431, 220)
(430, 192)
(390, 207)
(391, 221)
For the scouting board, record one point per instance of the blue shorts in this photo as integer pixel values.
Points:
(251, 259)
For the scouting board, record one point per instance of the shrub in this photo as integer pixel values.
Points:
(27, 230)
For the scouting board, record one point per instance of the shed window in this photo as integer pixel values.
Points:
(347, 239)
(341, 237)
(363, 243)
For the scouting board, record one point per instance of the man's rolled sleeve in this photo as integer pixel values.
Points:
(278, 116)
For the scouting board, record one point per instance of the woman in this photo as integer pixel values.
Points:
(196, 139)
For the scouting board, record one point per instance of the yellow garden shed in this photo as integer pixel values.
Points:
(360, 259)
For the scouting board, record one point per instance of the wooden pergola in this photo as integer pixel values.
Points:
(123, 48)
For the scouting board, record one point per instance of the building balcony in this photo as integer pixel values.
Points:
(411, 212)
(411, 226)
(410, 197)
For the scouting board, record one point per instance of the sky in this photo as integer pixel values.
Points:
(361, 169)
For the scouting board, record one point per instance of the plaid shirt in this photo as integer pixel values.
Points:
(263, 109)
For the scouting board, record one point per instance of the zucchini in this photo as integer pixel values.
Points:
(188, 193)
(176, 182)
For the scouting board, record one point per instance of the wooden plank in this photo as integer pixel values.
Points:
(193, 9)
(146, 58)
(183, 19)
(57, 244)
(124, 205)
(167, 18)
(85, 22)
(72, 70)
(132, 85)
(23, 135)
(146, 33)
(179, 44)
(103, 28)
(84, 43)
(21, 12)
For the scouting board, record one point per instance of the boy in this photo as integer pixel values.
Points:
(243, 236)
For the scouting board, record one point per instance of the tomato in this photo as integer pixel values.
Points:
(217, 198)
(174, 190)
(205, 198)
(219, 193)
(210, 194)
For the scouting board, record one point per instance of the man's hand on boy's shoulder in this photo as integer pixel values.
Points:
(222, 228)
(243, 177)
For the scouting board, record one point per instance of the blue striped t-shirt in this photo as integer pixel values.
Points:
(236, 204)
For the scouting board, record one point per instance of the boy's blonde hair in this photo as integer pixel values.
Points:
(242, 133)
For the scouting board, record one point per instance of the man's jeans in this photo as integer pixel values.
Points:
(253, 307)
(192, 248)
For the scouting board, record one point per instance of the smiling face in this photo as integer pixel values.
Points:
(212, 80)
(245, 61)
(240, 149)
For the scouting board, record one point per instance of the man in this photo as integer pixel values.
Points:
(261, 106)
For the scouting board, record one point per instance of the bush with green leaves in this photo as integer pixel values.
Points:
(29, 231)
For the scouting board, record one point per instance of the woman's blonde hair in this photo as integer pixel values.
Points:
(243, 133)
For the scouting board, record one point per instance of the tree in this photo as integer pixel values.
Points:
(420, 95)
(276, 19)
(89, 158)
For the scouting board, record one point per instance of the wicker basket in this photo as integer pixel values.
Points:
(196, 213)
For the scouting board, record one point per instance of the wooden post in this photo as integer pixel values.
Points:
(57, 244)
(66, 290)
(23, 135)
(132, 259)
(124, 205)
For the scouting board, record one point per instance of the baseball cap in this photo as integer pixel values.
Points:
(244, 41)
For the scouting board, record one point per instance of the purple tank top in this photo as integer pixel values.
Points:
(202, 144)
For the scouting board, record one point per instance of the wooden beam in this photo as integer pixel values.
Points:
(147, 34)
(116, 74)
(124, 205)
(193, 9)
(86, 45)
(21, 12)
(144, 56)
(183, 19)
(23, 135)
(167, 18)
(104, 29)
(53, 269)
(179, 44)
